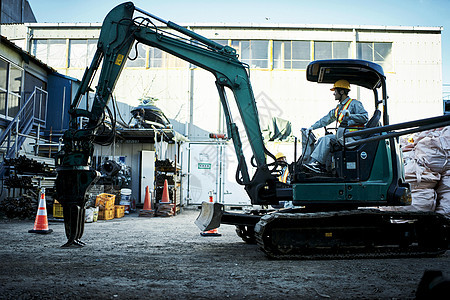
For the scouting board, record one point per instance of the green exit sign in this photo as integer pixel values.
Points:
(204, 166)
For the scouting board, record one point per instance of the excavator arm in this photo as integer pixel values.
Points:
(119, 32)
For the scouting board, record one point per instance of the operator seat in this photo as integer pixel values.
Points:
(356, 163)
(373, 122)
(341, 171)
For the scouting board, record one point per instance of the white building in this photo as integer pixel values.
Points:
(277, 54)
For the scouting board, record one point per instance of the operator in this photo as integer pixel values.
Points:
(284, 177)
(348, 113)
(281, 159)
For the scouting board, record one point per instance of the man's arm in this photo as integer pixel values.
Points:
(326, 120)
(358, 115)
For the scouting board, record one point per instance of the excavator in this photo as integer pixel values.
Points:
(334, 215)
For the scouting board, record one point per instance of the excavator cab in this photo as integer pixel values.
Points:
(335, 214)
(360, 166)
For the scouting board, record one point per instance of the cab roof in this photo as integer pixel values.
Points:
(359, 72)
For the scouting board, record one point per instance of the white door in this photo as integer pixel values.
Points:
(202, 171)
(211, 167)
(147, 172)
(232, 192)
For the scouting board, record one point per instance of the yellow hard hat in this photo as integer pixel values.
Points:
(343, 84)
(279, 155)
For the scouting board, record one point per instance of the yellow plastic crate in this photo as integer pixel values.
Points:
(57, 210)
(106, 214)
(119, 211)
(105, 201)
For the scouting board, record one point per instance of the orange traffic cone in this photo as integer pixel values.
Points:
(165, 195)
(212, 232)
(41, 222)
(165, 208)
(147, 210)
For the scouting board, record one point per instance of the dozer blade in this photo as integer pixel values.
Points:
(210, 216)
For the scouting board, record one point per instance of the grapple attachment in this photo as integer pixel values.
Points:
(210, 216)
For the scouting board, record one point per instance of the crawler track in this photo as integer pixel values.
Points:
(362, 233)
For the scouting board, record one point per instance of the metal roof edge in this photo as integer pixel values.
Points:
(26, 55)
(61, 24)
(65, 76)
(318, 26)
(265, 25)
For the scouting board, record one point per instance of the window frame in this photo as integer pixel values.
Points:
(63, 59)
(9, 94)
(251, 61)
(388, 65)
(89, 49)
(282, 61)
(333, 47)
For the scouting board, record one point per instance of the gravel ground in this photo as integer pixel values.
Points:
(166, 258)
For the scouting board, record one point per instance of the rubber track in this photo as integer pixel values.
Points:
(263, 227)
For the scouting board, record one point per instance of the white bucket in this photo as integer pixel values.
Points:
(89, 216)
(125, 199)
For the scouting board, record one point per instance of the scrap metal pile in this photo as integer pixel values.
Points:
(24, 207)
(115, 173)
(24, 165)
(23, 179)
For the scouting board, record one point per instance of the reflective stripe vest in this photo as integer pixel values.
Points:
(284, 175)
(341, 115)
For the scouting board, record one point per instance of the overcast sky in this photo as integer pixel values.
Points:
(351, 12)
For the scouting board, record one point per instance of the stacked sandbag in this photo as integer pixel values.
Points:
(427, 170)
(423, 182)
(443, 196)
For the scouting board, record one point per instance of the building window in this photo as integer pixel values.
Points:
(10, 88)
(51, 51)
(380, 53)
(331, 50)
(155, 57)
(3, 86)
(291, 54)
(81, 52)
(150, 57)
(15, 88)
(171, 61)
(253, 53)
(39, 49)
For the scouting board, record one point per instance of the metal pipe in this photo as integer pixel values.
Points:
(396, 134)
(17, 138)
(429, 121)
(150, 15)
(36, 149)
(195, 36)
(63, 108)
(295, 149)
(183, 30)
(384, 97)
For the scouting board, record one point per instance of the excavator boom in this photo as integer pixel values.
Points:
(120, 30)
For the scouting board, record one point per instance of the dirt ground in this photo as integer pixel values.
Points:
(166, 258)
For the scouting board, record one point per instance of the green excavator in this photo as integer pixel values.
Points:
(336, 214)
